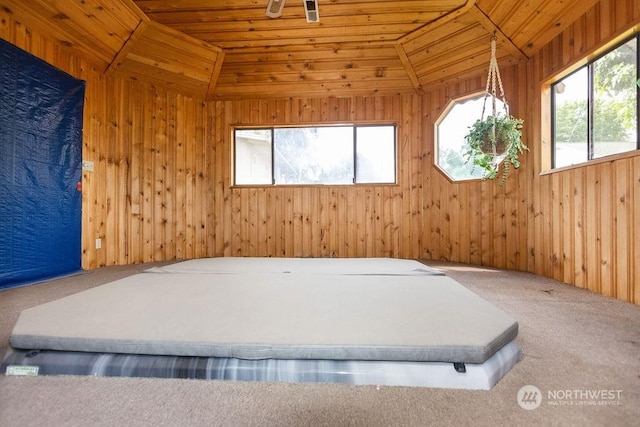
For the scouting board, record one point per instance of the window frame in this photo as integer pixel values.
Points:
(589, 66)
(478, 95)
(354, 127)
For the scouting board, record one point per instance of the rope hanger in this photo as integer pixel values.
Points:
(493, 77)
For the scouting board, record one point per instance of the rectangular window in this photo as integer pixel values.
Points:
(322, 155)
(595, 109)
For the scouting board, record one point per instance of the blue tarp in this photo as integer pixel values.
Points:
(40, 168)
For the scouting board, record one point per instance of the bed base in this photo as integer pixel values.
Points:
(381, 373)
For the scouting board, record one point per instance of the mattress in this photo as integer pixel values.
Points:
(359, 321)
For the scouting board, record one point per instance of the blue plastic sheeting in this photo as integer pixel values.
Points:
(40, 169)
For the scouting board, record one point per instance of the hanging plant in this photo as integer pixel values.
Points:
(496, 139)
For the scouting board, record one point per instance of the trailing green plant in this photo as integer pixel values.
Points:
(495, 140)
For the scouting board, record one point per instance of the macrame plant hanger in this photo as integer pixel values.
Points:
(493, 77)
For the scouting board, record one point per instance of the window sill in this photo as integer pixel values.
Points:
(606, 159)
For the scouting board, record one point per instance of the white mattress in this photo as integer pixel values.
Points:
(249, 308)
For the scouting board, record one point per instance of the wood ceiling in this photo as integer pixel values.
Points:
(229, 49)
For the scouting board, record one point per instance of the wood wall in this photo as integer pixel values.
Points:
(424, 216)
(161, 186)
(584, 221)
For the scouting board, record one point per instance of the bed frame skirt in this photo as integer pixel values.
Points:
(381, 373)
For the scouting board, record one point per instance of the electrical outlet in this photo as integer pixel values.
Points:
(87, 165)
(98, 243)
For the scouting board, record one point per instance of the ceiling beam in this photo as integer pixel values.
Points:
(501, 37)
(402, 54)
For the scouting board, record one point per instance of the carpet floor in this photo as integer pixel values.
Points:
(581, 355)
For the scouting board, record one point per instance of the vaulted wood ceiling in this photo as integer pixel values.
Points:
(226, 49)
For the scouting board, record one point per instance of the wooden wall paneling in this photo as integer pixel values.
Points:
(7, 27)
(431, 226)
(257, 234)
(87, 177)
(242, 225)
(150, 167)
(404, 179)
(101, 170)
(569, 228)
(417, 173)
(444, 218)
(171, 175)
(347, 215)
(518, 190)
(250, 214)
(300, 240)
(500, 227)
(545, 240)
(192, 117)
(135, 94)
(328, 223)
(428, 116)
(270, 222)
(110, 154)
(622, 252)
(439, 232)
(397, 221)
(474, 232)
(331, 227)
(273, 224)
(557, 224)
(357, 232)
(606, 17)
(255, 238)
(485, 224)
(338, 219)
(607, 206)
(324, 222)
(122, 164)
(577, 222)
(304, 228)
(635, 255)
(159, 153)
(511, 220)
(248, 217)
(221, 203)
(140, 202)
(206, 181)
(462, 224)
(386, 221)
(378, 243)
(536, 144)
(180, 134)
(289, 221)
(296, 241)
(318, 243)
(345, 223)
(89, 181)
(592, 230)
(186, 157)
(370, 235)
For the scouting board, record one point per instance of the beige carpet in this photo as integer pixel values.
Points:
(581, 350)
